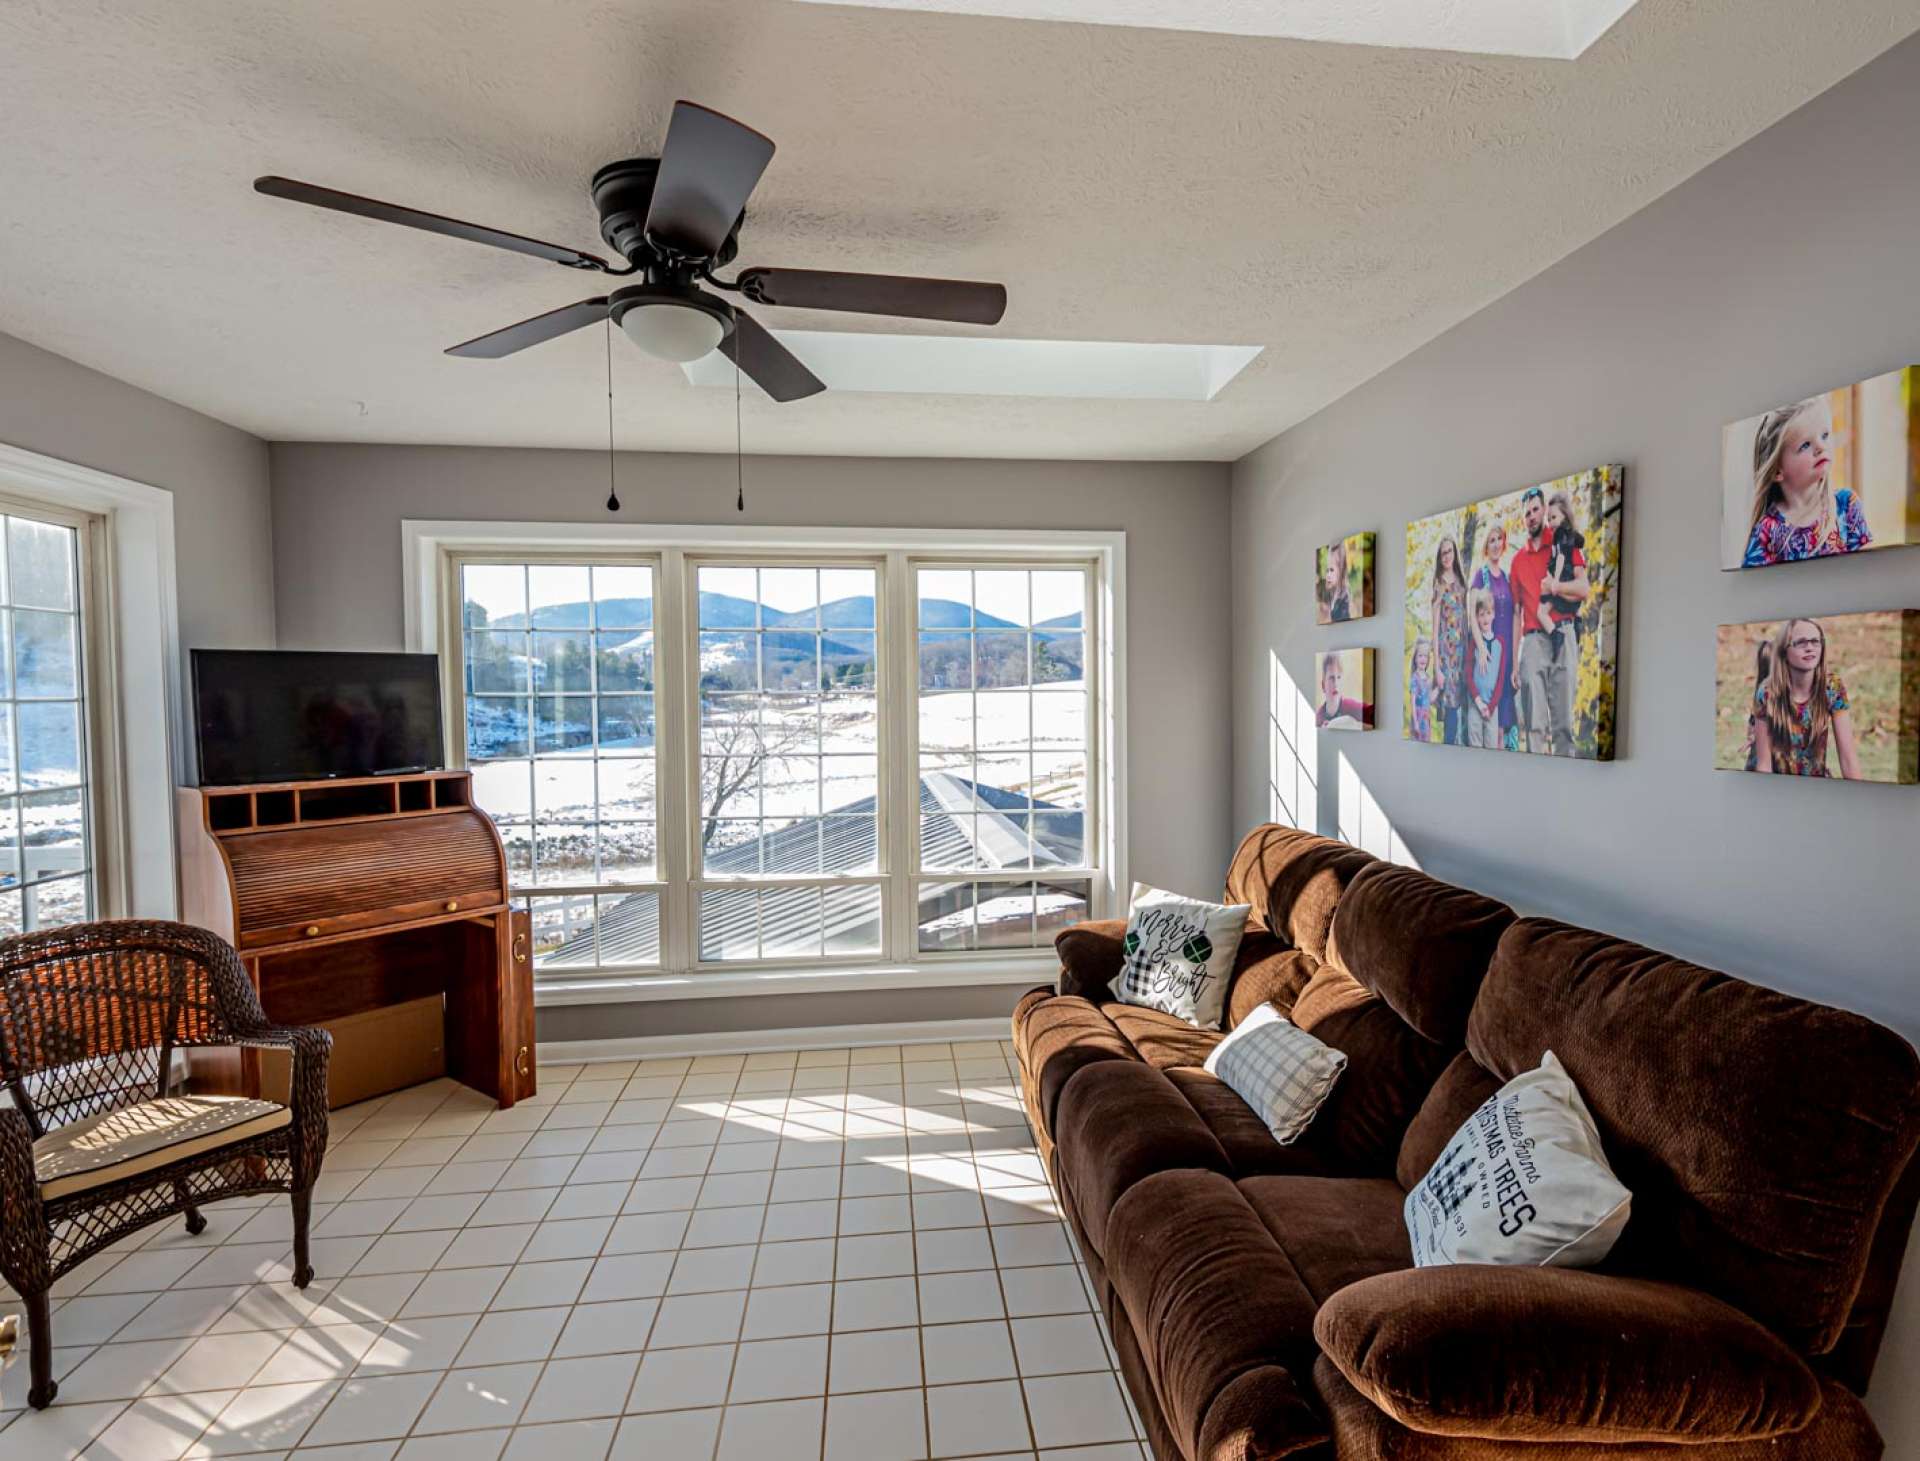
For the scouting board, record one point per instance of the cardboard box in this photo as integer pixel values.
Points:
(382, 1050)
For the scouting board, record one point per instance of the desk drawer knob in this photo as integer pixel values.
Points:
(313, 930)
(453, 905)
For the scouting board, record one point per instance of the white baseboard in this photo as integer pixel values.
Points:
(747, 1042)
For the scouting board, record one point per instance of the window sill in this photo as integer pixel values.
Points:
(1038, 967)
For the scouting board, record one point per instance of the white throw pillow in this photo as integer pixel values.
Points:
(1524, 1182)
(1278, 1069)
(1179, 952)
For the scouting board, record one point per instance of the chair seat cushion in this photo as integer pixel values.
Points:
(116, 1145)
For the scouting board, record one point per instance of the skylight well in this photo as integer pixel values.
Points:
(934, 365)
(1551, 29)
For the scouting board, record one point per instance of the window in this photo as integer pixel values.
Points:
(789, 792)
(47, 844)
(558, 674)
(703, 760)
(1005, 735)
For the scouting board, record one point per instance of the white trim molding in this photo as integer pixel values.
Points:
(754, 1042)
(433, 550)
(141, 652)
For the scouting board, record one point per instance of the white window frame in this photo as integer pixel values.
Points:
(431, 550)
(137, 721)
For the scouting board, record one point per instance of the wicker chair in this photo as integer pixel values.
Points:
(94, 1147)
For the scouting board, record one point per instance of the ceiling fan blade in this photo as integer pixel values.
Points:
(709, 166)
(549, 326)
(961, 300)
(319, 197)
(768, 363)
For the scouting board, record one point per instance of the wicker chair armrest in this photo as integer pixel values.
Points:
(306, 1090)
(23, 1225)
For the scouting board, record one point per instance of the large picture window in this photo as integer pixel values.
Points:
(701, 759)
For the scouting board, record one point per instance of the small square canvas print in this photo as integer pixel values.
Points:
(1832, 474)
(1345, 678)
(1511, 612)
(1835, 696)
(1343, 579)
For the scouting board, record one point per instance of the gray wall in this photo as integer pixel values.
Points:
(1785, 268)
(337, 514)
(222, 510)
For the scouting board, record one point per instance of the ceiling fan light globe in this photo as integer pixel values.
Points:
(678, 333)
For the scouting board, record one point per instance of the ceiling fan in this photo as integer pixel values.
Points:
(675, 219)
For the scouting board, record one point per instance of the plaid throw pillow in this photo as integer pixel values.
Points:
(1278, 1069)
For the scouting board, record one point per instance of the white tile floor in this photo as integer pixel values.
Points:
(834, 1255)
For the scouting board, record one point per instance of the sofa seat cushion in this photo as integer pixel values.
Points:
(1223, 1322)
(1334, 1230)
(1249, 1146)
(1362, 1431)
(1119, 1122)
(1055, 1035)
(117, 1145)
(1162, 1039)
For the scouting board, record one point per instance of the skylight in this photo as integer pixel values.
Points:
(948, 365)
(1553, 29)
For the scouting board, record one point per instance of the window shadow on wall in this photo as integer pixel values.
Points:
(1348, 808)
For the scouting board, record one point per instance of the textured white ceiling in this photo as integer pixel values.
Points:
(1338, 205)
(1558, 28)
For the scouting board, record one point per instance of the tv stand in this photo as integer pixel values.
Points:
(361, 895)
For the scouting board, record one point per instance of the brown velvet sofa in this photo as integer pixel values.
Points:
(1262, 1299)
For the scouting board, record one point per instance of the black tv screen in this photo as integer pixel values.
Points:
(296, 715)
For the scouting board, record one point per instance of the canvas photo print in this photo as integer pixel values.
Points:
(1343, 579)
(1834, 696)
(1511, 613)
(1829, 475)
(1344, 678)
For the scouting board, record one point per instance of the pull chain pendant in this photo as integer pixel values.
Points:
(739, 451)
(613, 497)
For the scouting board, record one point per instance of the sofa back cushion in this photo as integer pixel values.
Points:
(1293, 880)
(1421, 945)
(1403, 960)
(1760, 1134)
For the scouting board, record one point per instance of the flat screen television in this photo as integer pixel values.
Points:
(298, 715)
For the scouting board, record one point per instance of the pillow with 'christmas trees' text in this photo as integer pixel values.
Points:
(1179, 952)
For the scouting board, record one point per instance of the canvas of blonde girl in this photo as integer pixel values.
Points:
(1823, 476)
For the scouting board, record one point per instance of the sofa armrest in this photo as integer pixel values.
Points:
(1555, 1354)
(1090, 957)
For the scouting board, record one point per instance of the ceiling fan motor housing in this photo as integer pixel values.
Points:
(622, 193)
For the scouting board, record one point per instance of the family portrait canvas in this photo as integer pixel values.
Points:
(1344, 678)
(1832, 474)
(1343, 579)
(1835, 696)
(1511, 613)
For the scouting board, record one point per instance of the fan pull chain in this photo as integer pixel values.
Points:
(739, 450)
(613, 497)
